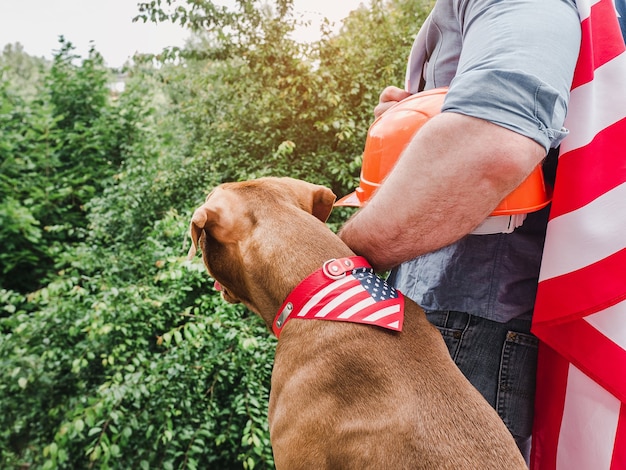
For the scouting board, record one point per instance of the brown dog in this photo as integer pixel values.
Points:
(344, 395)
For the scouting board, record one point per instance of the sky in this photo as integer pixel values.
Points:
(37, 25)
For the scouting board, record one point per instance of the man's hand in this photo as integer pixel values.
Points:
(390, 96)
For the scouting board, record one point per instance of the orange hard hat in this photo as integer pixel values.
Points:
(387, 138)
(391, 132)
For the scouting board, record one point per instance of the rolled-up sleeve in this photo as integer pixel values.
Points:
(516, 65)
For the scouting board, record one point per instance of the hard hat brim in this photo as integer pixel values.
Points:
(351, 200)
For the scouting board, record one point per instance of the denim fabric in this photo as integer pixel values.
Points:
(491, 276)
(500, 360)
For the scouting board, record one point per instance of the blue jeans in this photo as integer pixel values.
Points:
(500, 360)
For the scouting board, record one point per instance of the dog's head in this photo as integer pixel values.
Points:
(244, 229)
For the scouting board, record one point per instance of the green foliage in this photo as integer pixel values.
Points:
(24, 148)
(284, 108)
(120, 375)
(58, 150)
(21, 72)
(115, 351)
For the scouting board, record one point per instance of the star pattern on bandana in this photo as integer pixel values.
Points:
(377, 287)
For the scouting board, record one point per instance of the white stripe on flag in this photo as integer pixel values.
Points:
(594, 107)
(590, 416)
(610, 323)
(341, 298)
(572, 241)
(356, 308)
(383, 312)
(313, 301)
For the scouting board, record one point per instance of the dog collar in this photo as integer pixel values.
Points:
(344, 289)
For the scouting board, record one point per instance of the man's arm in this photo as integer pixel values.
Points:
(452, 175)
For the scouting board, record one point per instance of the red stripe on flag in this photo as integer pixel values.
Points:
(588, 172)
(618, 461)
(599, 43)
(582, 344)
(552, 371)
(582, 292)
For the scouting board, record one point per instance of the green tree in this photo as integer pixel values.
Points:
(26, 144)
(23, 73)
(58, 150)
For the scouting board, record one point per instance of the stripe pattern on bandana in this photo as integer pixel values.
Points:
(361, 297)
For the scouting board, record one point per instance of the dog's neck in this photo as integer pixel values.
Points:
(284, 274)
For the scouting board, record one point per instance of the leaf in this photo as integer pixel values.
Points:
(178, 338)
(95, 453)
(115, 450)
(79, 425)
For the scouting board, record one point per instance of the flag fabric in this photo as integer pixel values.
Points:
(357, 296)
(580, 311)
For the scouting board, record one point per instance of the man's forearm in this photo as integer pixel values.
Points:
(453, 174)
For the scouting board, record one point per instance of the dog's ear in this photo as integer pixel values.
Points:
(323, 200)
(202, 217)
(313, 198)
(214, 218)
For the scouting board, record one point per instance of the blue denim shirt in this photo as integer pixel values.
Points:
(510, 63)
(492, 276)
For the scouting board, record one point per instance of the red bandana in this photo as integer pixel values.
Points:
(344, 289)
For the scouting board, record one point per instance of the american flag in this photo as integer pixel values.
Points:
(359, 297)
(580, 313)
